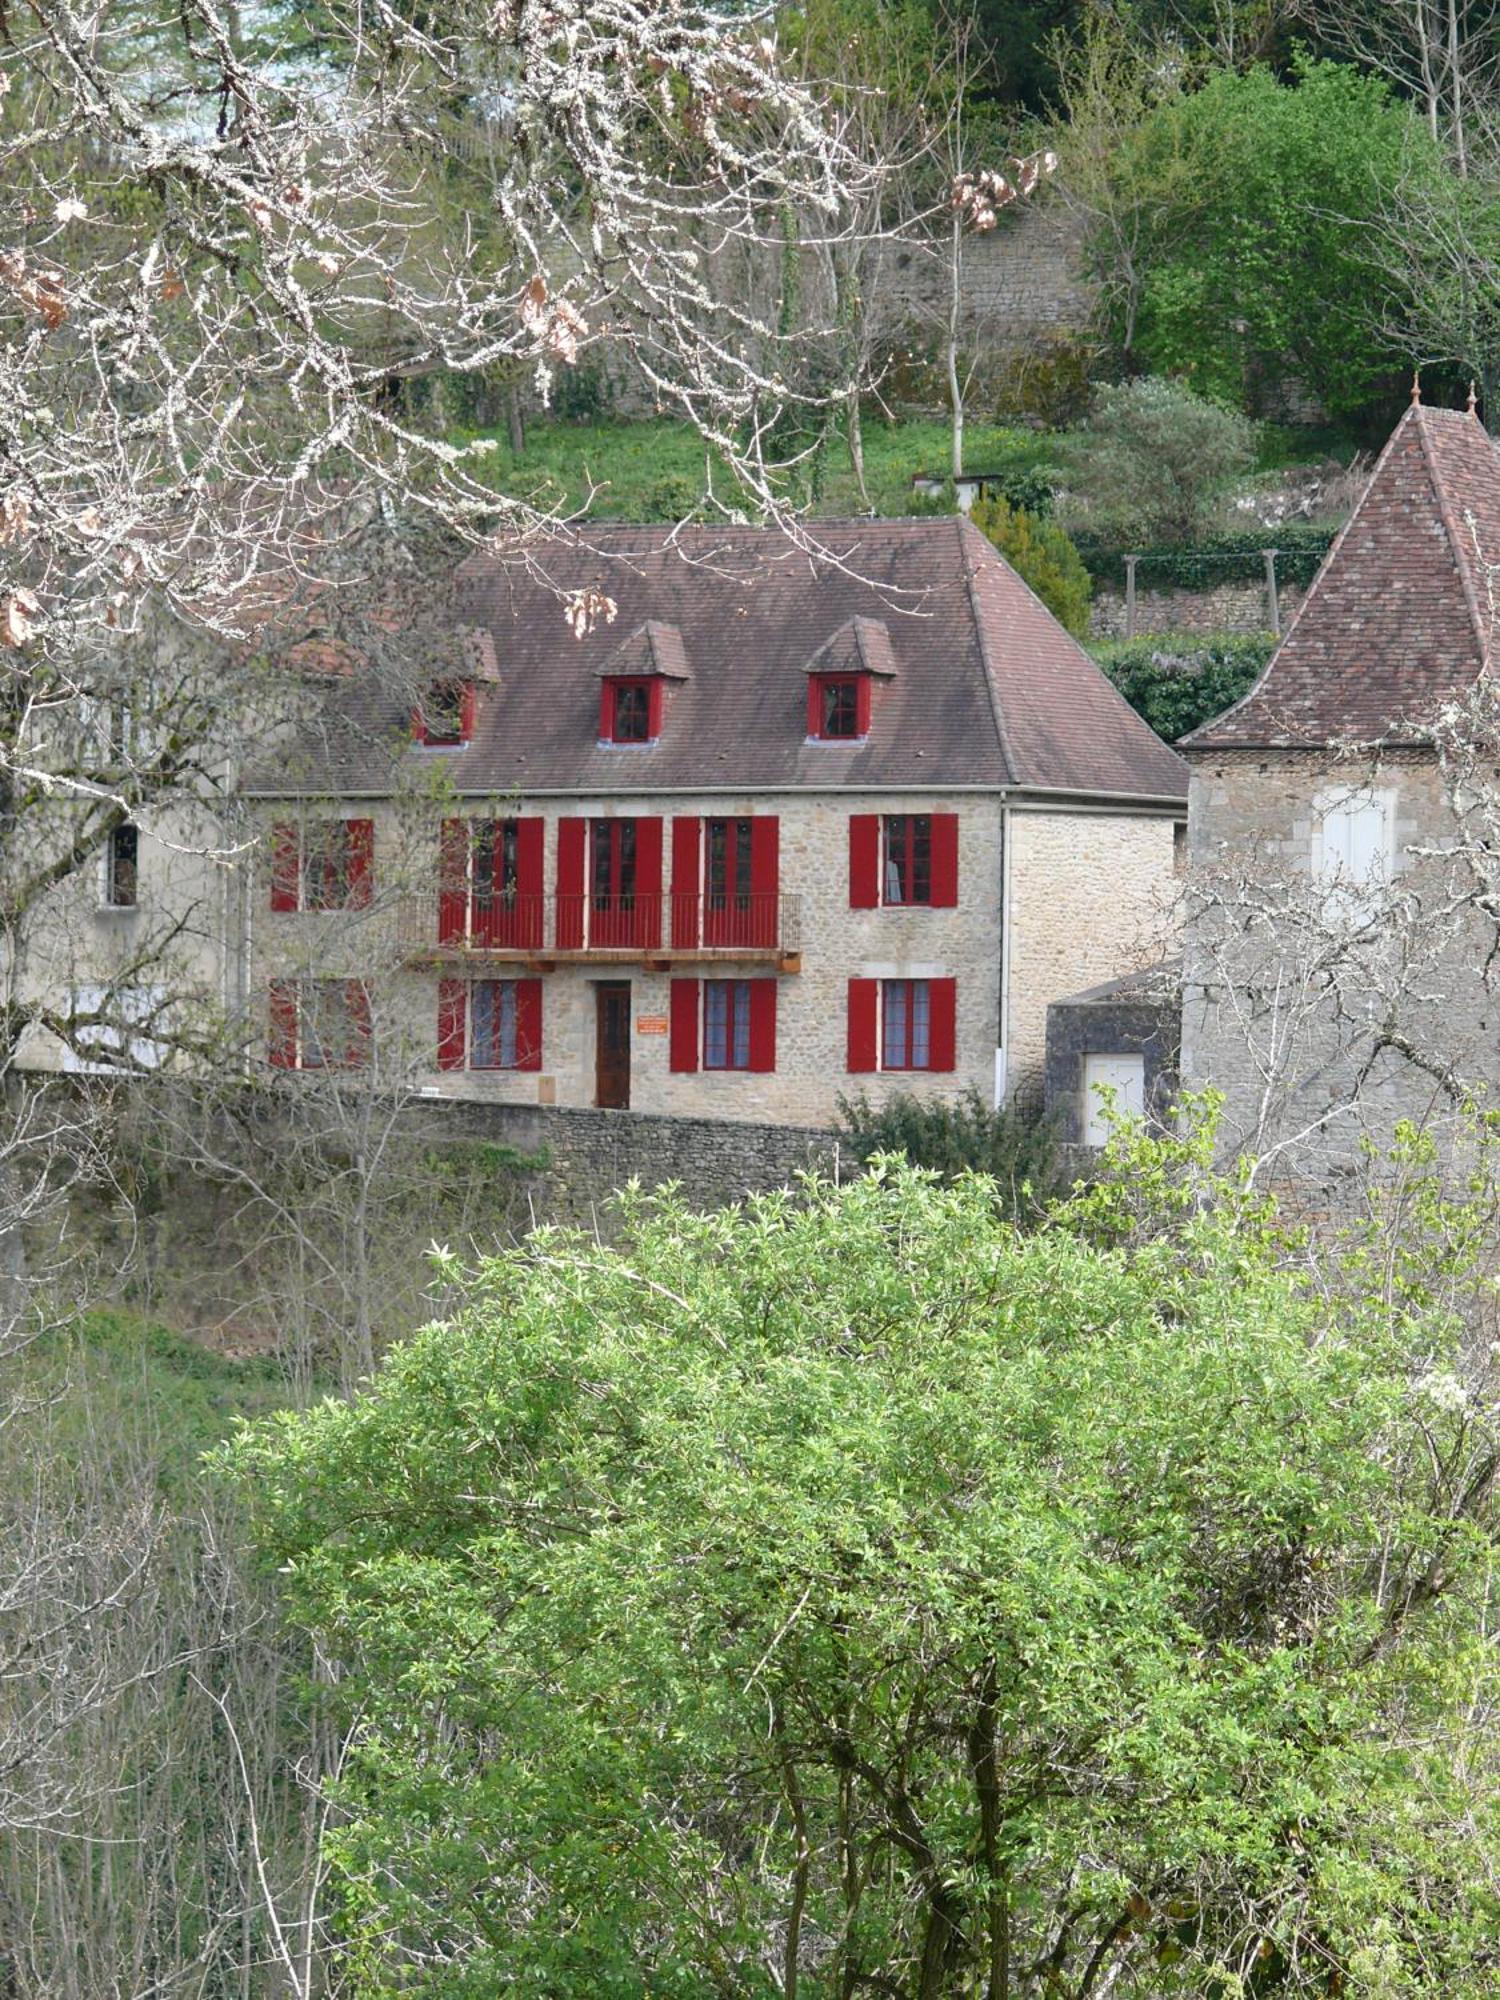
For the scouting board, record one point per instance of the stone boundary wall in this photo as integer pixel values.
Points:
(1232, 607)
(590, 1154)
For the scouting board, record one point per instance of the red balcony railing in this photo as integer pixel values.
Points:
(677, 925)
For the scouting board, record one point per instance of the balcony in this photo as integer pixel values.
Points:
(656, 931)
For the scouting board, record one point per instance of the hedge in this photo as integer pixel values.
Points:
(1176, 684)
(1300, 545)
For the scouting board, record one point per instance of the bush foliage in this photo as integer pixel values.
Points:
(1177, 684)
(1155, 457)
(1042, 555)
(1017, 1150)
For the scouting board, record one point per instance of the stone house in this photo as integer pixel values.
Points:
(770, 829)
(1338, 950)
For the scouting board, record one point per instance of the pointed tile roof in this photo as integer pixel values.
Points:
(860, 646)
(652, 648)
(1403, 614)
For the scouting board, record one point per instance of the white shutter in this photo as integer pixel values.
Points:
(1355, 848)
(1126, 1077)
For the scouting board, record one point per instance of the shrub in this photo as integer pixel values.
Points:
(1018, 1150)
(1176, 686)
(1041, 555)
(1158, 457)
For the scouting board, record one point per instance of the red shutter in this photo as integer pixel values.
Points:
(571, 838)
(944, 854)
(361, 863)
(864, 861)
(357, 1007)
(285, 860)
(530, 883)
(814, 706)
(655, 695)
(683, 1052)
(453, 882)
(942, 1003)
(606, 711)
(452, 1029)
(468, 711)
(528, 1024)
(687, 841)
(765, 868)
(418, 726)
(763, 1024)
(862, 704)
(648, 884)
(281, 1040)
(864, 995)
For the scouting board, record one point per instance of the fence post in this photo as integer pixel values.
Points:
(1271, 602)
(1130, 563)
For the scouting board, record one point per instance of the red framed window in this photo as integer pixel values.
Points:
(723, 1024)
(630, 710)
(490, 886)
(726, 881)
(444, 718)
(321, 1024)
(324, 865)
(838, 707)
(902, 1024)
(490, 1024)
(903, 861)
(609, 877)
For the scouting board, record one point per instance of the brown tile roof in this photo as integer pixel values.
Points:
(977, 683)
(1401, 617)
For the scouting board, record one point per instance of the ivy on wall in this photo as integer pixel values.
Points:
(1300, 546)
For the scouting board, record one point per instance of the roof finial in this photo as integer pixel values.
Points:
(1473, 400)
(1416, 386)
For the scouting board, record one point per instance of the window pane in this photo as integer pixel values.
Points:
(121, 879)
(741, 1024)
(919, 1058)
(599, 836)
(919, 878)
(493, 1036)
(893, 1027)
(895, 858)
(840, 708)
(715, 1024)
(632, 714)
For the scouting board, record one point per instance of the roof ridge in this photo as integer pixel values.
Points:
(1325, 569)
(1450, 528)
(981, 633)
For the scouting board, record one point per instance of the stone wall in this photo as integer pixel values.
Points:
(1232, 607)
(1021, 280)
(1140, 1016)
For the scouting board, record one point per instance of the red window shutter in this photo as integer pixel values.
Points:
(864, 861)
(418, 726)
(357, 1007)
(814, 706)
(687, 842)
(944, 861)
(453, 882)
(655, 697)
(648, 883)
(606, 711)
(281, 1040)
(864, 997)
(763, 1024)
(285, 867)
(862, 704)
(942, 1002)
(528, 1024)
(571, 837)
(765, 870)
(468, 711)
(452, 1023)
(530, 882)
(683, 1050)
(361, 863)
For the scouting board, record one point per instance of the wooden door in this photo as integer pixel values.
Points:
(612, 1045)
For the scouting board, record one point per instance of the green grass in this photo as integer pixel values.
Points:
(657, 469)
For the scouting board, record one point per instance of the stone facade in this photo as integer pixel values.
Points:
(1087, 894)
(1231, 607)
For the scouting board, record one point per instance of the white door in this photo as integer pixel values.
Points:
(1126, 1077)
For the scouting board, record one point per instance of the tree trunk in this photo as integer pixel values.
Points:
(515, 419)
(955, 387)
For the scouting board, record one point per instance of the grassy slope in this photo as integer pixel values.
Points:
(657, 468)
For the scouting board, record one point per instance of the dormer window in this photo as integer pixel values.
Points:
(838, 707)
(630, 710)
(444, 720)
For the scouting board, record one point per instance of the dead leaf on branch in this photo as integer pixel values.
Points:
(585, 608)
(18, 615)
(35, 286)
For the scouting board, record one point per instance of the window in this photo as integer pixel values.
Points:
(612, 885)
(907, 871)
(731, 1021)
(319, 1024)
(120, 868)
(490, 883)
(326, 865)
(902, 1024)
(1354, 847)
(726, 1024)
(903, 861)
(630, 711)
(905, 1024)
(490, 1024)
(445, 717)
(838, 707)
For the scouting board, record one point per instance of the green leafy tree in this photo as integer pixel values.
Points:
(851, 1594)
(1267, 260)
(1179, 683)
(1158, 458)
(1040, 553)
(1017, 1149)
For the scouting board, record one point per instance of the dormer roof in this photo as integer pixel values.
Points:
(651, 649)
(859, 646)
(1402, 616)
